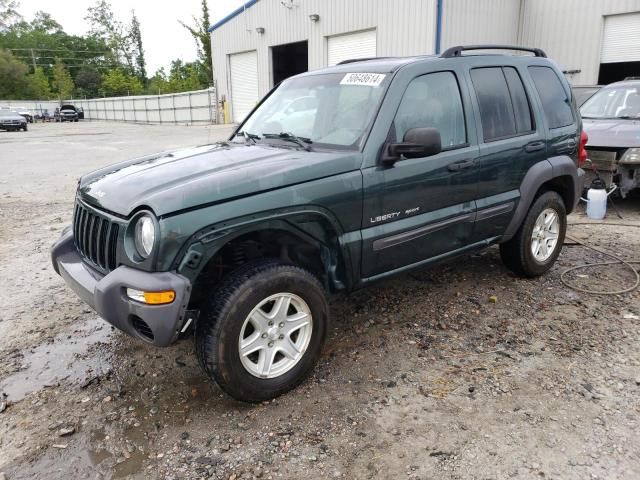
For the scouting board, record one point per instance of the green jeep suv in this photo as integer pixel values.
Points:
(384, 165)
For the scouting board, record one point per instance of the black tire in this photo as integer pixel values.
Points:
(517, 253)
(25, 127)
(220, 324)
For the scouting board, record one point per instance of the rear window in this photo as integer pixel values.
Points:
(502, 99)
(555, 102)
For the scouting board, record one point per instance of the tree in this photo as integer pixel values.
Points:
(8, 13)
(185, 76)
(158, 83)
(38, 85)
(136, 40)
(117, 83)
(88, 82)
(45, 22)
(200, 32)
(62, 82)
(104, 26)
(13, 76)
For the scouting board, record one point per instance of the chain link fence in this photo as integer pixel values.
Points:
(183, 108)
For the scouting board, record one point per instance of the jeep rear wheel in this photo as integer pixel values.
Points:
(263, 330)
(536, 245)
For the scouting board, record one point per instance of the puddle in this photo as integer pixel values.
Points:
(72, 357)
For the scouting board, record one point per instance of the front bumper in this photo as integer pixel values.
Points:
(106, 294)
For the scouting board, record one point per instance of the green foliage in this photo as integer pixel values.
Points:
(62, 82)
(38, 85)
(41, 60)
(136, 41)
(118, 83)
(158, 84)
(8, 13)
(200, 33)
(88, 82)
(13, 74)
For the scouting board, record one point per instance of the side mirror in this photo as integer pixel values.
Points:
(417, 143)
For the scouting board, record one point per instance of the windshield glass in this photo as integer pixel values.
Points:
(7, 113)
(331, 110)
(614, 102)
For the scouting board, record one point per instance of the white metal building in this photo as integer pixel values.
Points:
(265, 41)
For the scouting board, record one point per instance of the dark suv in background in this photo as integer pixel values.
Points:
(393, 164)
(66, 113)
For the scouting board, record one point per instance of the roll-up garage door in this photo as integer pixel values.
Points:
(351, 45)
(621, 38)
(244, 83)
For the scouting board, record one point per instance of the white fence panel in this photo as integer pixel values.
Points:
(183, 108)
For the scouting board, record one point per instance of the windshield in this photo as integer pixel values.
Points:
(614, 102)
(333, 110)
(7, 113)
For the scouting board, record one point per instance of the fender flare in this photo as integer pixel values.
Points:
(207, 242)
(538, 175)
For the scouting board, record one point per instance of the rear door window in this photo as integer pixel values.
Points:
(504, 106)
(555, 102)
(496, 110)
(521, 108)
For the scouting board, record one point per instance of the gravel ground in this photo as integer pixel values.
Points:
(459, 372)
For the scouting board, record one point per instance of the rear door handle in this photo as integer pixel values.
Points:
(461, 165)
(534, 147)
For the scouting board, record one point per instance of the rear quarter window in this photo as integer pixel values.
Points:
(555, 102)
(502, 99)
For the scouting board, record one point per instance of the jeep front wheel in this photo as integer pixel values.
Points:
(263, 330)
(537, 243)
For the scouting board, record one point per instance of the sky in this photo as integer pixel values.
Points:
(163, 38)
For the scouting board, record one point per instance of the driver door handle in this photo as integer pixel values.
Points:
(461, 165)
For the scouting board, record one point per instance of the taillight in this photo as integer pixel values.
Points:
(582, 151)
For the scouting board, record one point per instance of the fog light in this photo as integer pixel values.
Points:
(151, 298)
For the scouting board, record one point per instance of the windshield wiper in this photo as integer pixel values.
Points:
(249, 137)
(290, 137)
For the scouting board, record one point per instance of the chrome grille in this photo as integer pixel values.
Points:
(96, 237)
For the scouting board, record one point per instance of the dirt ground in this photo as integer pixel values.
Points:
(459, 372)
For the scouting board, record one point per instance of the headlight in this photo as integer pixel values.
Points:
(145, 235)
(632, 155)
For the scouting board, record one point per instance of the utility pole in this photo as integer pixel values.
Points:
(33, 57)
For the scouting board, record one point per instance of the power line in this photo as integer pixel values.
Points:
(41, 57)
(80, 66)
(60, 50)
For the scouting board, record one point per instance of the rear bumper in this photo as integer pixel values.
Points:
(106, 294)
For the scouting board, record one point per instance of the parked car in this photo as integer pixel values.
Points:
(410, 162)
(12, 121)
(44, 115)
(612, 121)
(66, 113)
(582, 93)
(25, 112)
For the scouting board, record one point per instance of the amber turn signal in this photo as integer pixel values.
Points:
(151, 298)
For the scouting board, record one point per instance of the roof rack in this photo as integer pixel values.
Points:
(354, 60)
(457, 51)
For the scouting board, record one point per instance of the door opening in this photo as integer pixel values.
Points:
(614, 72)
(289, 59)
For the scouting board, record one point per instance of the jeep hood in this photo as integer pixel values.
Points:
(171, 181)
(612, 133)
